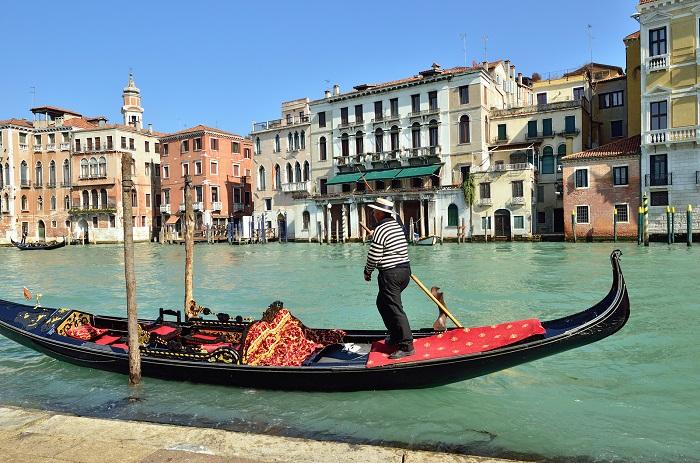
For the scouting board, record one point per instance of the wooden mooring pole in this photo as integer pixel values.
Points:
(689, 225)
(189, 243)
(129, 274)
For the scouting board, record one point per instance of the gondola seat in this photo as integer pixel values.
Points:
(85, 332)
(107, 339)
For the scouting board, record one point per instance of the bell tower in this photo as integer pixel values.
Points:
(132, 110)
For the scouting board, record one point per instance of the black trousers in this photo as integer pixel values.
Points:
(391, 283)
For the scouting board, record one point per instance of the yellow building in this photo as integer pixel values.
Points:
(670, 163)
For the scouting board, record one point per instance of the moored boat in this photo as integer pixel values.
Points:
(234, 352)
(426, 241)
(42, 246)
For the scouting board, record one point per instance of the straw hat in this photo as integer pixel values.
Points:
(383, 205)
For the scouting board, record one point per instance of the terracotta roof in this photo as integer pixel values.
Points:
(38, 109)
(79, 122)
(641, 2)
(586, 66)
(20, 122)
(201, 128)
(625, 147)
(633, 35)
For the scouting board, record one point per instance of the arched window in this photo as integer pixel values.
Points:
(278, 177)
(7, 173)
(102, 167)
(452, 216)
(84, 172)
(24, 173)
(40, 203)
(378, 141)
(39, 174)
(433, 133)
(95, 199)
(25, 203)
(561, 152)
(322, 154)
(86, 199)
(103, 199)
(415, 135)
(344, 145)
(464, 135)
(257, 145)
(277, 143)
(2, 176)
(359, 143)
(261, 178)
(303, 140)
(94, 169)
(305, 220)
(66, 172)
(7, 202)
(290, 142)
(289, 173)
(135, 198)
(66, 202)
(306, 171)
(394, 138)
(52, 174)
(296, 140)
(487, 132)
(53, 203)
(548, 160)
(297, 172)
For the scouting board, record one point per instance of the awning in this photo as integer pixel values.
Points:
(419, 171)
(172, 220)
(351, 177)
(386, 174)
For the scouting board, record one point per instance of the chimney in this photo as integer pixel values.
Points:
(336, 89)
(520, 78)
(328, 93)
(150, 128)
(507, 66)
(485, 65)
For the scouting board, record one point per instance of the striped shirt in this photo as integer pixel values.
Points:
(389, 247)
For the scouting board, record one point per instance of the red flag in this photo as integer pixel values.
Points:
(27, 293)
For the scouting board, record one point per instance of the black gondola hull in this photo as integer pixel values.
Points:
(598, 322)
(38, 246)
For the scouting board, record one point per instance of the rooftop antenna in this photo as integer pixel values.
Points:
(486, 41)
(463, 36)
(589, 32)
(32, 90)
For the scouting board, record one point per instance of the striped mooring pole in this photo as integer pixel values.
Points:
(573, 223)
(689, 224)
(615, 225)
(645, 206)
(639, 225)
(668, 224)
(673, 225)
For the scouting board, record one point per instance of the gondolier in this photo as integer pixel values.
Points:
(389, 254)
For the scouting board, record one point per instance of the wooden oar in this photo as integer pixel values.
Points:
(367, 229)
(440, 305)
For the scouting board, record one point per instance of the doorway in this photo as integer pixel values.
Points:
(282, 227)
(83, 231)
(559, 220)
(502, 219)
(42, 230)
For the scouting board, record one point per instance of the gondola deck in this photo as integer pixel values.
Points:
(38, 246)
(338, 367)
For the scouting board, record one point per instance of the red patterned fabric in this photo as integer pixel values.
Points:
(325, 337)
(280, 342)
(204, 337)
(459, 341)
(121, 346)
(106, 339)
(163, 330)
(85, 332)
(212, 347)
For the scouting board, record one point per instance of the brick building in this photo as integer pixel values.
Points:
(598, 181)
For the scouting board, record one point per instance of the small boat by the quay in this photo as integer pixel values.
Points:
(279, 352)
(430, 240)
(39, 246)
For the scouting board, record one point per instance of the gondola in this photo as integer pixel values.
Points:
(47, 246)
(343, 366)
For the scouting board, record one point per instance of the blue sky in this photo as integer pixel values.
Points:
(226, 63)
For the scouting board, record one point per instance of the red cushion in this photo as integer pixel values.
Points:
(163, 330)
(204, 337)
(120, 346)
(459, 341)
(85, 332)
(212, 347)
(106, 339)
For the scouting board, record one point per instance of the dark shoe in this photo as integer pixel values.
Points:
(399, 354)
(388, 341)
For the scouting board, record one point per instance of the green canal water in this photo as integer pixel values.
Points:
(631, 397)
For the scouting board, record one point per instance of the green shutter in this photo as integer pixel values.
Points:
(547, 127)
(452, 216)
(570, 124)
(532, 129)
(501, 131)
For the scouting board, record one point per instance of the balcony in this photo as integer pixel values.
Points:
(165, 208)
(97, 180)
(51, 147)
(501, 140)
(539, 135)
(51, 184)
(38, 185)
(295, 186)
(67, 184)
(483, 202)
(23, 146)
(657, 63)
(533, 109)
(569, 132)
(517, 200)
(198, 206)
(216, 206)
(65, 146)
(277, 123)
(423, 113)
(423, 151)
(671, 136)
(109, 208)
(38, 148)
(238, 207)
(342, 161)
(348, 124)
(93, 149)
(506, 168)
(379, 118)
(658, 179)
(25, 183)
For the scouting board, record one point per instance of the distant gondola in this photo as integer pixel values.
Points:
(346, 366)
(47, 246)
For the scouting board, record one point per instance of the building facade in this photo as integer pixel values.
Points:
(599, 183)
(670, 162)
(221, 167)
(282, 170)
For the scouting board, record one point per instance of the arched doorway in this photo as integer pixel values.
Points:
(502, 226)
(42, 230)
(83, 231)
(282, 226)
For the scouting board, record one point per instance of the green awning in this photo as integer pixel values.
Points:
(351, 177)
(386, 174)
(419, 171)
